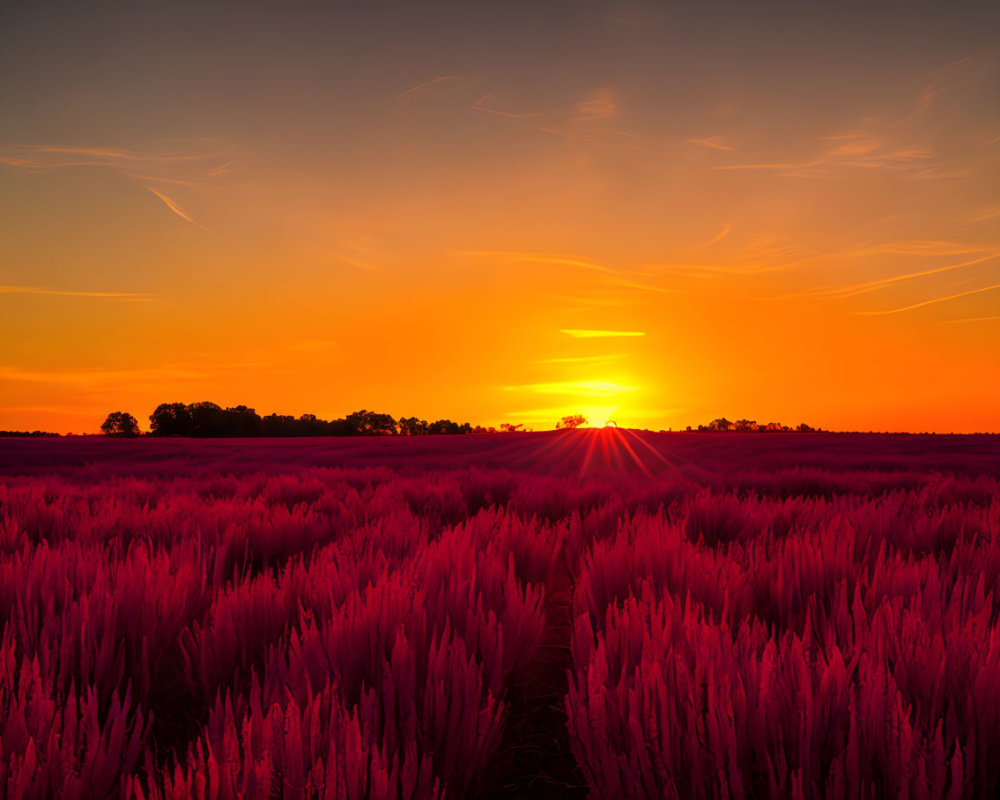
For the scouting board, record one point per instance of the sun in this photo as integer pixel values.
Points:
(598, 416)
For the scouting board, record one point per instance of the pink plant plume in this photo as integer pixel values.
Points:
(704, 616)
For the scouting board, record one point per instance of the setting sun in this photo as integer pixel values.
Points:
(598, 416)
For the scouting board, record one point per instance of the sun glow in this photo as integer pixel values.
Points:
(598, 416)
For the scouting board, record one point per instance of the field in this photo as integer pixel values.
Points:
(594, 613)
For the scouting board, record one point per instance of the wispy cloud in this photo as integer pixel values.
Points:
(932, 301)
(153, 376)
(582, 359)
(186, 164)
(702, 270)
(173, 206)
(582, 333)
(972, 319)
(868, 286)
(862, 151)
(642, 286)
(425, 84)
(479, 105)
(917, 247)
(620, 278)
(88, 377)
(991, 213)
(576, 388)
(68, 411)
(946, 79)
(712, 142)
(722, 234)
(42, 290)
(537, 258)
(600, 104)
(357, 263)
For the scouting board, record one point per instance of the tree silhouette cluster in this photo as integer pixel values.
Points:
(206, 419)
(120, 423)
(752, 426)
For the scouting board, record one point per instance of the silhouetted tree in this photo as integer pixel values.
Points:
(170, 419)
(120, 423)
(507, 427)
(278, 425)
(242, 421)
(369, 423)
(411, 426)
(803, 428)
(446, 426)
(723, 424)
(571, 421)
(207, 419)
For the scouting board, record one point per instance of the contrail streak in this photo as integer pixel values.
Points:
(933, 301)
(180, 212)
(68, 293)
(425, 84)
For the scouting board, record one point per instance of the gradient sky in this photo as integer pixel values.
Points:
(505, 212)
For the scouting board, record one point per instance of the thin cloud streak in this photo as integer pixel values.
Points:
(164, 167)
(150, 167)
(578, 333)
(155, 179)
(578, 388)
(713, 143)
(721, 234)
(930, 302)
(424, 85)
(991, 214)
(96, 377)
(917, 248)
(41, 290)
(644, 287)
(851, 150)
(68, 411)
(582, 359)
(478, 106)
(180, 212)
(538, 258)
(598, 105)
(863, 288)
(716, 270)
(619, 278)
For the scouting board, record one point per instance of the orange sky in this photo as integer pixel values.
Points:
(451, 210)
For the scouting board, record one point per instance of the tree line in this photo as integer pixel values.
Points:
(752, 426)
(207, 419)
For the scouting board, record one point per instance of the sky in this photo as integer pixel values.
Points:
(656, 213)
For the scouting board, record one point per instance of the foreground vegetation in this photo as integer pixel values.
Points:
(591, 612)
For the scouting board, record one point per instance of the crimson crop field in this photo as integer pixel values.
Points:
(599, 613)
